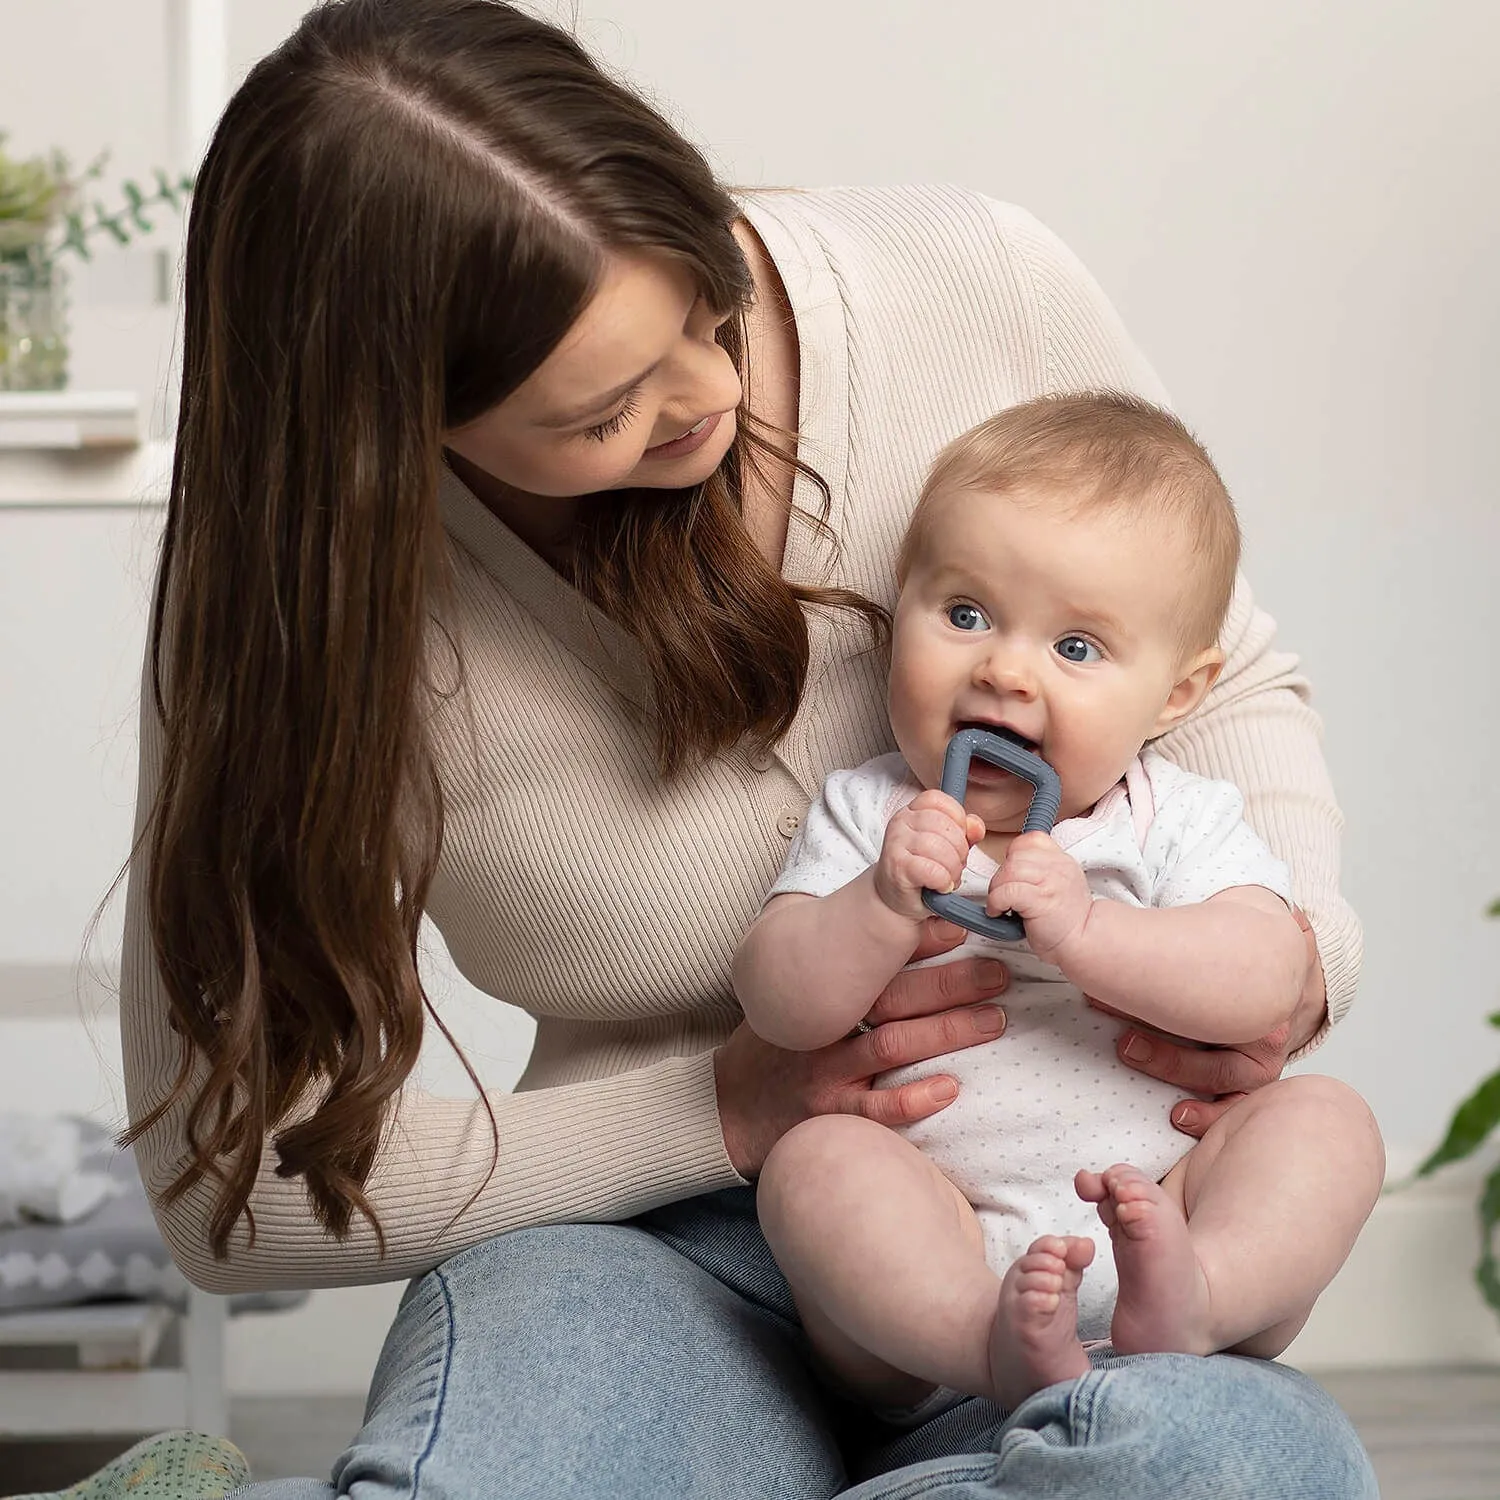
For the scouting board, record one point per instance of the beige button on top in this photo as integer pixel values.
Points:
(762, 760)
(787, 823)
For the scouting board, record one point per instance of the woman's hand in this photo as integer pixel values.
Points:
(1229, 1073)
(765, 1090)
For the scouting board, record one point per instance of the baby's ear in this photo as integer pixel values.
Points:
(1199, 674)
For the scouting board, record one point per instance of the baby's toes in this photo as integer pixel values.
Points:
(1035, 1281)
(1055, 1245)
(1135, 1217)
(1078, 1255)
(1090, 1186)
(1125, 1183)
(1040, 1268)
(1031, 1297)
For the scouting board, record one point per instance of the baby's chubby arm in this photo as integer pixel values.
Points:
(1227, 969)
(811, 966)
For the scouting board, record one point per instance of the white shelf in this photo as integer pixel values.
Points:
(107, 1335)
(61, 478)
(69, 420)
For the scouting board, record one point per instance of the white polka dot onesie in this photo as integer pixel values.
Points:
(1050, 1096)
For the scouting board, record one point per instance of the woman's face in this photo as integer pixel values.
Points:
(638, 394)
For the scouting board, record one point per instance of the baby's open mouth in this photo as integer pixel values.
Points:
(1004, 733)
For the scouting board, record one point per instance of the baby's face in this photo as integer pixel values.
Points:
(1063, 631)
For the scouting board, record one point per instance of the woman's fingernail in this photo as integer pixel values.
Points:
(1138, 1049)
(991, 974)
(989, 1019)
(945, 1091)
(1184, 1117)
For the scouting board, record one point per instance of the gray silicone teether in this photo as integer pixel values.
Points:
(1040, 816)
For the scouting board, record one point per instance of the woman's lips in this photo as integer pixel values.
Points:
(690, 441)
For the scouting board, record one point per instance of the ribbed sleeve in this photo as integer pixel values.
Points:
(1257, 729)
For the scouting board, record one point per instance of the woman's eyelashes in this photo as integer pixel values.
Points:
(618, 422)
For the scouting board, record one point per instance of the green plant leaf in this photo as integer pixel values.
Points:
(137, 201)
(1487, 1272)
(42, 212)
(1494, 908)
(1472, 1122)
(1494, 1018)
(111, 224)
(76, 238)
(174, 192)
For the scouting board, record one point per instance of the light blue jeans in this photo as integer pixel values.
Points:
(661, 1359)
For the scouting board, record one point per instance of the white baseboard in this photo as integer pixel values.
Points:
(326, 1347)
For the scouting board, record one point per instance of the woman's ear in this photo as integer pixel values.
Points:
(1198, 675)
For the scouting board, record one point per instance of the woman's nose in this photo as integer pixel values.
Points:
(705, 379)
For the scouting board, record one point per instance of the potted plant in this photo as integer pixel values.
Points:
(1472, 1124)
(44, 221)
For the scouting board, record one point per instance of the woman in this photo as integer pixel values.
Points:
(496, 585)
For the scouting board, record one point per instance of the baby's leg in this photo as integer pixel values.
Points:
(886, 1260)
(1240, 1238)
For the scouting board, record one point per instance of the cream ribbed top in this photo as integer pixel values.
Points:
(576, 885)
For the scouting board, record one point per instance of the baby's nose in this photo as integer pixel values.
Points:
(1007, 670)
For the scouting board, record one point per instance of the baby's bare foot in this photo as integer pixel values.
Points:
(1163, 1306)
(1034, 1338)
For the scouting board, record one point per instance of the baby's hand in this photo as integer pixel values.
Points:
(1047, 888)
(926, 847)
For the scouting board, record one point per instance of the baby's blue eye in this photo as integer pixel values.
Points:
(1075, 648)
(966, 617)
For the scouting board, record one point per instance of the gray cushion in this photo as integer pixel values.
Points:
(117, 1251)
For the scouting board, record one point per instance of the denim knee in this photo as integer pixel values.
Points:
(1180, 1425)
(589, 1359)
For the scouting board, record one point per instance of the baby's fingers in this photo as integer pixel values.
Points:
(933, 823)
(1010, 895)
(931, 874)
(935, 801)
(1031, 855)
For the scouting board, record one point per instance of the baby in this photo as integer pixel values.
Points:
(1064, 579)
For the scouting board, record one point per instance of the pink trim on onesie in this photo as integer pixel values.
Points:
(1135, 785)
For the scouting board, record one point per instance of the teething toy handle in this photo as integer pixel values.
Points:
(1040, 816)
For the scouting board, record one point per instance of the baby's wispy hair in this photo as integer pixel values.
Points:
(1098, 451)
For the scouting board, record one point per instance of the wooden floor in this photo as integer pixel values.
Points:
(1432, 1434)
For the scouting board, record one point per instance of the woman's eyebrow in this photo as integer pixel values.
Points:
(598, 404)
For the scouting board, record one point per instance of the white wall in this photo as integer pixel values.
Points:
(1292, 205)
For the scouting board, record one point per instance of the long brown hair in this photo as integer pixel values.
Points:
(402, 211)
